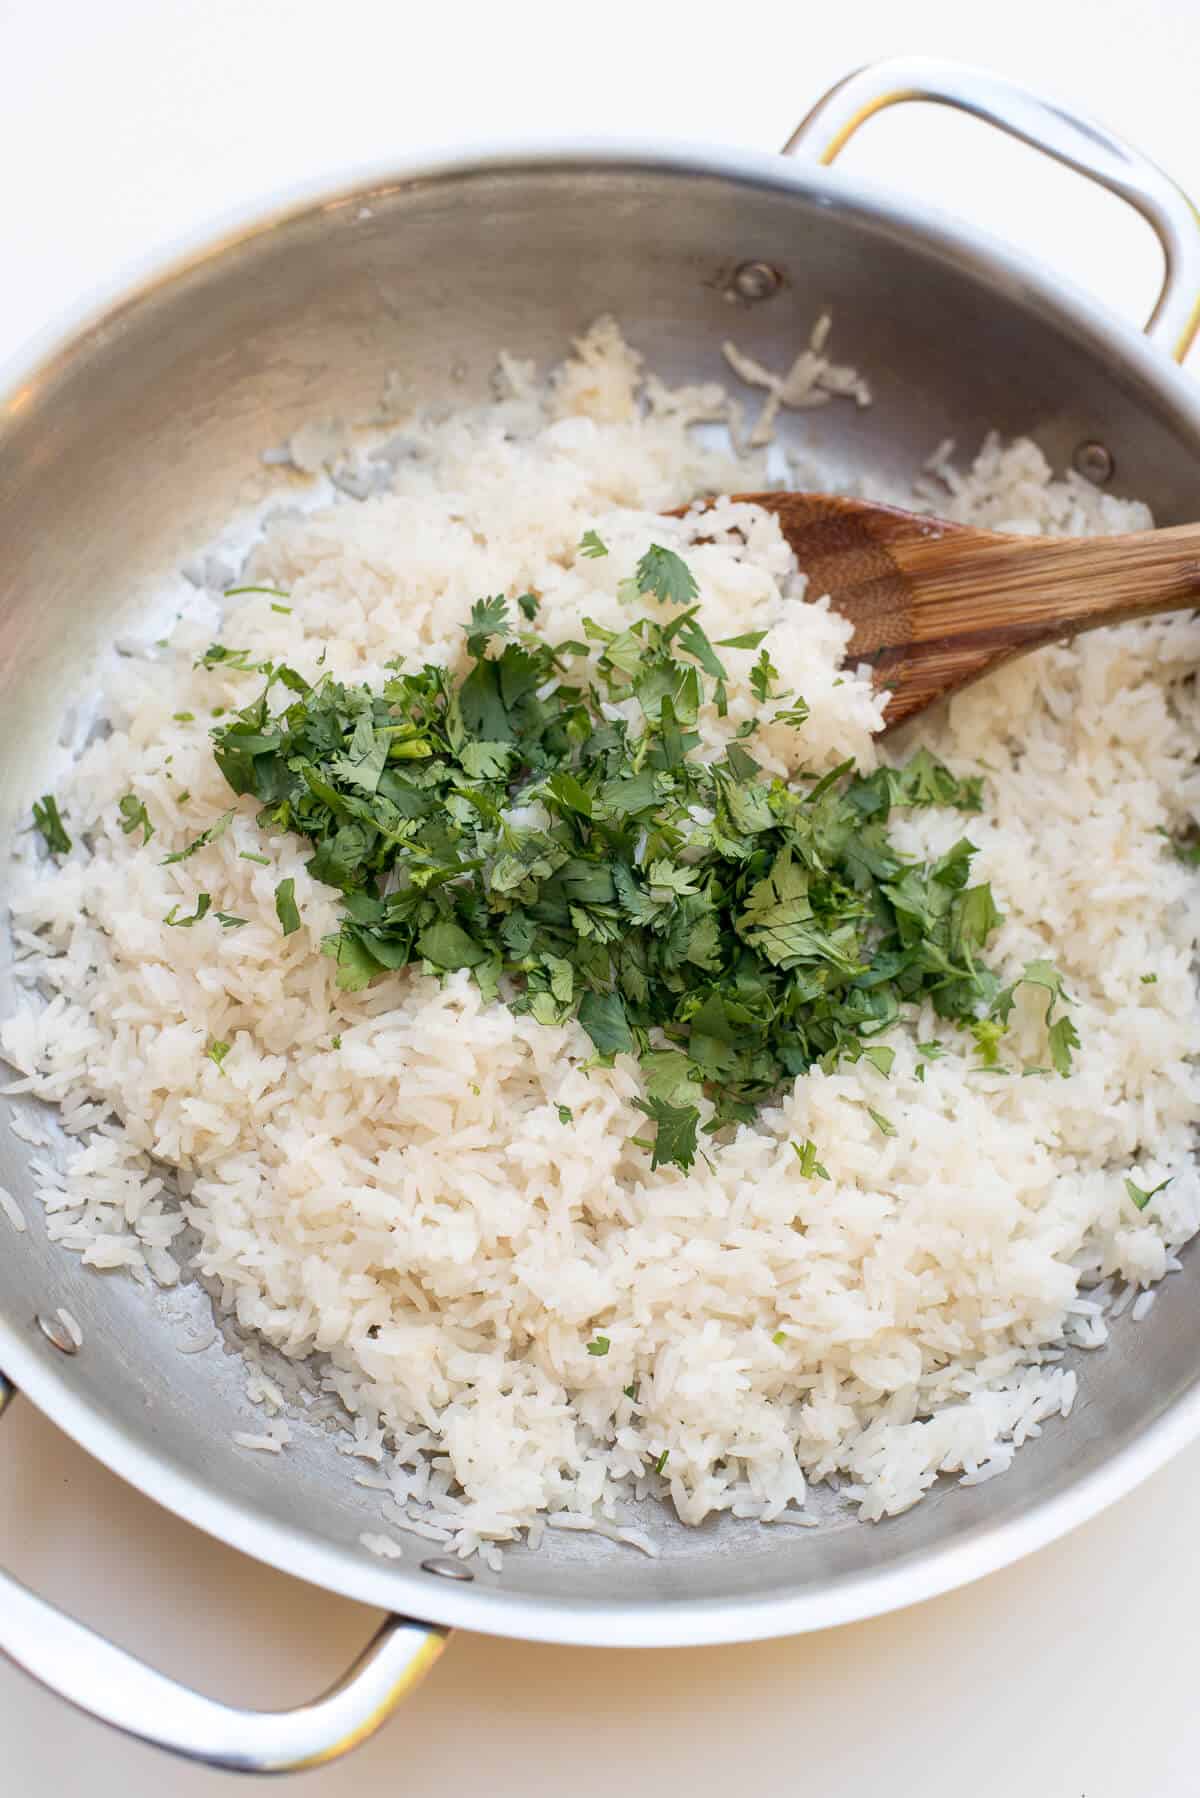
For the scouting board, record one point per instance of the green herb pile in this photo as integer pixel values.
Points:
(727, 928)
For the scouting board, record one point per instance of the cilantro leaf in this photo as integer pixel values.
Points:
(810, 1167)
(748, 640)
(1062, 1038)
(489, 618)
(693, 639)
(206, 836)
(134, 816)
(447, 945)
(603, 1017)
(763, 676)
(600, 1346)
(667, 576)
(669, 1076)
(590, 545)
(47, 820)
(203, 902)
(675, 1138)
(1139, 1194)
(286, 909)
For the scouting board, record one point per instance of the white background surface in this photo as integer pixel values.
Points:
(127, 122)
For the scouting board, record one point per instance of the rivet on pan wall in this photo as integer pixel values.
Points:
(57, 1333)
(446, 1568)
(1094, 461)
(756, 281)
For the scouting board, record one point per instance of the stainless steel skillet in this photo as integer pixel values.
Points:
(131, 438)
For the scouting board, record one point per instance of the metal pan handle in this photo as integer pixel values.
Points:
(107, 1683)
(1078, 142)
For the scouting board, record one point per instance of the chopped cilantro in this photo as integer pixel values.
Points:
(1149, 979)
(1140, 1197)
(336, 1042)
(228, 921)
(662, 1461)
(763, 676)
(184, 717)
(810, 1167)
(882, 1123)
(286, 909)
(558, 835)
(528, 604)
(631, 1391)
(600, 1346)
(667, 576)
(206, 836)
(46, 818)
(591, 545)
(219, 655)
(489, 618)
(779, 1337)
(675, 1138)
(217, 1052)
(1061, 1034)
(203, 902)
(1062, 1038)
(134, 816)
(1187, 849)
(247, 855)
(987, 1033)
(603, 1017)
(565, 1115)
(749, 640)
(795, 714)
(232, 592)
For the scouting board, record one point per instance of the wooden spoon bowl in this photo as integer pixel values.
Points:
(935, 605)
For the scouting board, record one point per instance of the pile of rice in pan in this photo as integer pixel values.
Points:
(385, 1177)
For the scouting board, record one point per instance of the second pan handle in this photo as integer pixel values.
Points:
(1069, 138)
(106, 1682)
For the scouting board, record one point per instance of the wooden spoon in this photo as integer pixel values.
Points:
(934, 605)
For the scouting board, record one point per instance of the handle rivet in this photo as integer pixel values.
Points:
(57, 1333)
(1094, 461)
(756, 281)
(445, 1568)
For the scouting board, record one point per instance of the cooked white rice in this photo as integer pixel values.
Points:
(386, 1547)
(384, 1177)
(70, 1325)
(12, 1211)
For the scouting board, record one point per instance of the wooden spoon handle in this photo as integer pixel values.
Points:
(970, 584)
(976, 598)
